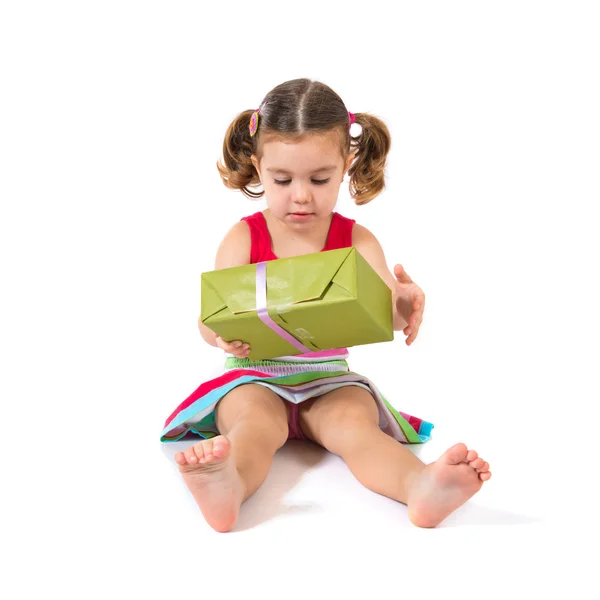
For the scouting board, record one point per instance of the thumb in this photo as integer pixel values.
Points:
(401, 275)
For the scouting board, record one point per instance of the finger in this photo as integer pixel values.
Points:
(419, 303)
(401, 274)
(232, 347)
(412, 337)
(243, 351)
(415, 318)
(413, 321)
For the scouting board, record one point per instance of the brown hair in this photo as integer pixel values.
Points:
(293, 109)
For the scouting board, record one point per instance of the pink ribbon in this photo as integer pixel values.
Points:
(261, 307)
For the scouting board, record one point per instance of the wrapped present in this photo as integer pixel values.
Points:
(296, 305)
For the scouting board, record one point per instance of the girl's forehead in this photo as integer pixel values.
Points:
(312, 149)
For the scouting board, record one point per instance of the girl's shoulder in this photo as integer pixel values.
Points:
(361, 235)
(234, 250)
(367, 244)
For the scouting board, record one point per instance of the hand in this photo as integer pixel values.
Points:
(410, 303)
(237, 348)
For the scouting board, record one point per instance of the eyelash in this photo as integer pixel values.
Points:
(315, 181)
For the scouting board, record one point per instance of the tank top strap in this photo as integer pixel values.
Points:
(339, 236)
(260, 238)
(340, 233)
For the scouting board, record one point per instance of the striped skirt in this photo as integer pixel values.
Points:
(295, 379)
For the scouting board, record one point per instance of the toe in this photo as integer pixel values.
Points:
(485, 467)
(201, 451)
(456, 454)
(220, 447)
(477, 463)
(472, 455)
(180, 458)
(206, 458)
(207, 449)
(485, 476)
(192, 454)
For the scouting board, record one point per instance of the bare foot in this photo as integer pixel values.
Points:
(211, 476)
(445, 485)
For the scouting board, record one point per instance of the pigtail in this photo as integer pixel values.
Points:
(371, 146)
(236, 168)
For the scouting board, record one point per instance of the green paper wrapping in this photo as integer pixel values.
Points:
(325, 300)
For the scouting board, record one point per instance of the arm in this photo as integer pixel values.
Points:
(234, 251)
(366, 243)
(408, 299)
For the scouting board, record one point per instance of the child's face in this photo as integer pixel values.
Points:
(302, 177)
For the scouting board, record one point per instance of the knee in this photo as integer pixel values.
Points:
(342, 430)
(259, 412)
(270, 424)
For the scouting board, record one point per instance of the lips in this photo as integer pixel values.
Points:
(300, 216)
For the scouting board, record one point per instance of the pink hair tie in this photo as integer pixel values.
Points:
(254, 120)
(352, 119)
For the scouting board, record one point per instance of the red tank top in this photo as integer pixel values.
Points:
(339, 236)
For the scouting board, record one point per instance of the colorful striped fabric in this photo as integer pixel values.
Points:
(296, 379)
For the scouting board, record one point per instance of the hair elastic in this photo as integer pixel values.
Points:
(254, 120)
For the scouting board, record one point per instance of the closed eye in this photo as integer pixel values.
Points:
(287, 181)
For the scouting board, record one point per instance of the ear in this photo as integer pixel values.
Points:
(256, 164)
(349, 162)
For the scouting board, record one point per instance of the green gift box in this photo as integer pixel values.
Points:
(307, 303)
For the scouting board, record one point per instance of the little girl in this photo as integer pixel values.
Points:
(298, 146)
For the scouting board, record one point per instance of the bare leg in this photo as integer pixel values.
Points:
(345, 422)
(224, 471)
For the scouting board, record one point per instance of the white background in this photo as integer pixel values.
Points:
(112, 118)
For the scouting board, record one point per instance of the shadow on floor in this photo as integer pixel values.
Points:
(291, 463)
(471, 514)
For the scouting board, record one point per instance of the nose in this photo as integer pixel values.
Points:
(301, 193)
